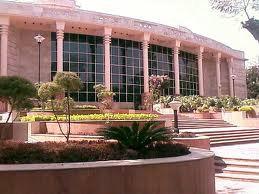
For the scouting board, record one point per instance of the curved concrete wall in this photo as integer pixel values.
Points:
(191, 174)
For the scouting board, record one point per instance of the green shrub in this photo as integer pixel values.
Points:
(246, 108)
(135, 137)
(80, 151)
(108, 116)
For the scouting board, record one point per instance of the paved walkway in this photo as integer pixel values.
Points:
(236, 187)
(244, 151)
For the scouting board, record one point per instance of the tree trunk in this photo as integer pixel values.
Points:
(69, 119)
(56, 117)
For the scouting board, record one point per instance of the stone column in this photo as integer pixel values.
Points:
(146, 100)
(218, 61)
(200, 71)
(145, 45)
(60, 37)
(230, 71)
(4, 25)
(4, 48)
(107, 57)
(177, 45)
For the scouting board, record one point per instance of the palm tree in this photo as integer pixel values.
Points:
(135, 137)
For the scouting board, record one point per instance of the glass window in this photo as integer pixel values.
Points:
(188, 73)
(83, 54)
(161, 63)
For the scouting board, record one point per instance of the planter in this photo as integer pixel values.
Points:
(82, 127)
(14, 131)
(202, 142)
(152, 176)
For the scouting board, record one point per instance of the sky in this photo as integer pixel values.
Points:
(195, 15)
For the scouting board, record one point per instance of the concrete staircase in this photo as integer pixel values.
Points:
(237, 169)
(186, 122)
(202, 123)
(230, 136)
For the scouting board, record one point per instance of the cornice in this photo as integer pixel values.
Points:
(78, 15)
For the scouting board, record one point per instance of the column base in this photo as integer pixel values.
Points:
(147, 102)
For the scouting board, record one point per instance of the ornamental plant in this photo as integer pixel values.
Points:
(137, 138)
(48, 92)
(105, 97)
(69, 82)
(157, 83)
(17, 92)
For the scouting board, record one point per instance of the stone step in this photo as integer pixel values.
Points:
(231, 142)
(237, 170)
(237, 161)
(229, 133)
(241, 137)
(241, 177)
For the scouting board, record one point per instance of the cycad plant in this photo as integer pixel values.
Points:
(135, 137)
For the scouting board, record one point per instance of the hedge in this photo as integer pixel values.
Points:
(108, 116)
(81, 151)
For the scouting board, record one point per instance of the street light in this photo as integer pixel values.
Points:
(175, 105)
(233, 79)
(39, 39)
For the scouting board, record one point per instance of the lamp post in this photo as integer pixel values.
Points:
(233, 80)
(39, 39)
(175, 105)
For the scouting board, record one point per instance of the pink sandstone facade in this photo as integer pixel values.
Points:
(20, 22)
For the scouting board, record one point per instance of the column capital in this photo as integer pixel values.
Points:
(146, 37)
(200, 49)
(230, 60)
(4, 29)
(218, 55)
(176, 43)
(60, 25)
(4, 20)
(107, 31)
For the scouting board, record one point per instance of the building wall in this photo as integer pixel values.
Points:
(23, 61)
(12, 68)
(240, 80)
(27, 55)
(210, 81)
(224, 77)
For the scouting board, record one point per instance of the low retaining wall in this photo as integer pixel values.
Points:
(202, 142)
(81, 127)
(238, 118)
(14, 131)
(190, 174)
(205, 115)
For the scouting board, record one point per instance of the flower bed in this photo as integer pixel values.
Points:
(107, 116)
(83, 151)
(89, 127)
(190, 174)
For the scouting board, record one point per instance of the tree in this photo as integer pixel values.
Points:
(17, 92)
(49, 91)
(157, 83)
(70, 82)
(238, 7)
(105, 97)
(252, 80)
